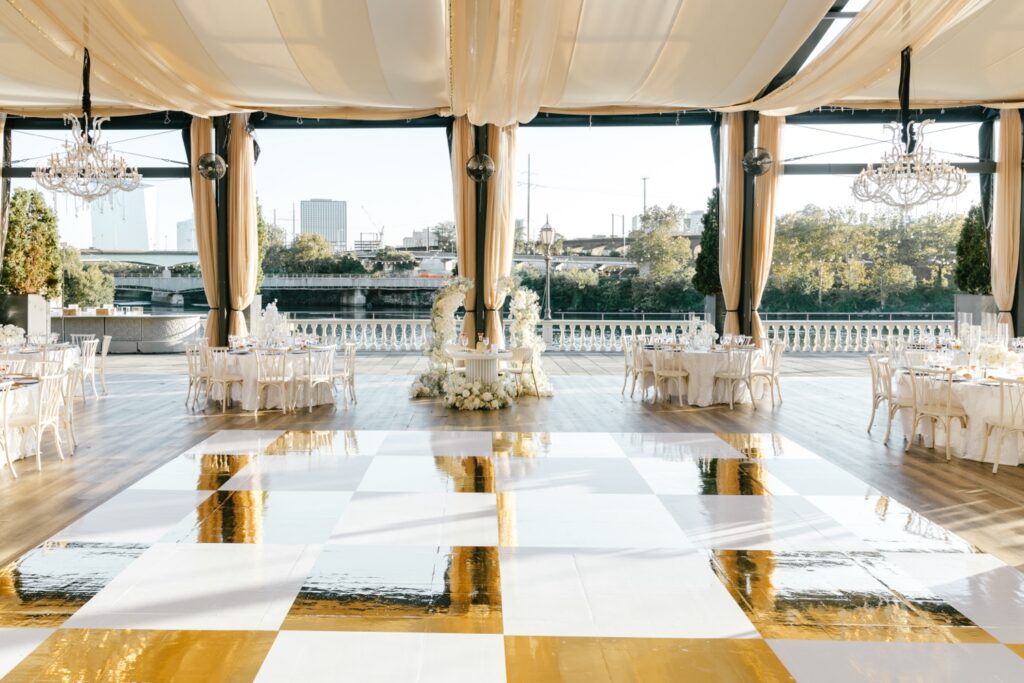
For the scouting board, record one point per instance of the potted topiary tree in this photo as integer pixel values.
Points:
(706, 279)
(31, 263)
(972, 273)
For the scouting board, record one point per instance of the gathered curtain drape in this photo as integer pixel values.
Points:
(1006, 214)
(205, 207)
(243, 246)
(769, 134)
(500, 239)
(464, 192)
(865, 52)
(730, 218)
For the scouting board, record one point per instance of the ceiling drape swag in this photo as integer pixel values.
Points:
(865, 52)
(769, 134)
(464, 191)
(500, 239)
(730, 219)
(205, 207)
(1006, 214)
(242, 240)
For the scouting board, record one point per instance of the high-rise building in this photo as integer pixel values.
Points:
(127, 221)
(421, 239)
(327, 218)
(187, 235)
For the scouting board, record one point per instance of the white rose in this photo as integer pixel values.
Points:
(487, 396)
(465, 392)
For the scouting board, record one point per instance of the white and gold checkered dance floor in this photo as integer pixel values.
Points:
(472, 556)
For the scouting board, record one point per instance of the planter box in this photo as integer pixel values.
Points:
(975, 304)
(30, 312)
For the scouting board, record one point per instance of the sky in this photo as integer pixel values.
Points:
(399, 180)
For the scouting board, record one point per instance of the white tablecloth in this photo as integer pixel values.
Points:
(21, 402)
(980, 402)
(245, 365)
(481, 366)
(701, 387)
(71, 357)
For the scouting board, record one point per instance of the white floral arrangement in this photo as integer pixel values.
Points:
(11, 335)
(524, 315)
(464, 394)
(274, 327)
(447, 300)
(991, 355)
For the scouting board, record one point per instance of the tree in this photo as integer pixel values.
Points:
(307, 252)
(85, 286)
(393, 260)
(443, 236)
(657, 247)
(705, 277)
(32, 259)
(973, 274)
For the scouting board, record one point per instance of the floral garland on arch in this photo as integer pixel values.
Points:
(447, 300)
(524, 315)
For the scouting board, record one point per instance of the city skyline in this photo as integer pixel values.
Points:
(580, 177)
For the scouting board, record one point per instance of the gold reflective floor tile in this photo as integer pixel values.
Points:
(833, 596)
(395, 588)
(1019, 649)
(765, 445)
(520, 444)
(454, 474)
(125, 656)
(50, 583)
(531, 659)
(321, 442)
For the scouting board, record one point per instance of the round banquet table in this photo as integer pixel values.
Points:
(980, 400)
(701, 387)
(481, 366)
(33, 356)
(244, 364)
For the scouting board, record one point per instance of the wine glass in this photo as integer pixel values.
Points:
(487, 343)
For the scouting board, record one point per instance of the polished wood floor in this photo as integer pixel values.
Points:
(143, 423)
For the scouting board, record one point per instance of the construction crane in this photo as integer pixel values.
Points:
(379, 229)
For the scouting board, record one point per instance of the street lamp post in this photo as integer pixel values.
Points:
(547, 238)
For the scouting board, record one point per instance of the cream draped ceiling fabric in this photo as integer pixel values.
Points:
(243, 245)
(205, 207)
(1006, 214)
(500, 238)
(769, 134)
(730, 217)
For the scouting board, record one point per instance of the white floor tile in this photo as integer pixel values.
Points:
(758, 523)
(133, 516)
(572, 444)
(983, 588)
(817, 478)
(410, 474)
(700, 476)
(677, 445)
(591, 520)
(418, 519)
(17, 643)
(627, 593)
(238, 442)
(569, 475)
(313, 656)
(300, 472)
(854, 662)
(424, 443)
(202, 586)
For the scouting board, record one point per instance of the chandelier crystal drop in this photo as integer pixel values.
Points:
(86, 167)
(905, 179)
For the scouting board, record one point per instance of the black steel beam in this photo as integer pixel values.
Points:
(679, 118)
(220, 145)
(803, 52)
(1017, 310)
(832, 115)
(153, 120)
(746, 309)
(481, 147)
(276, 121)
(5, 192)
(854, 169)
(145, 171)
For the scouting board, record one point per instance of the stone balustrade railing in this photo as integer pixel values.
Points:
(849, 337)
(409, 334)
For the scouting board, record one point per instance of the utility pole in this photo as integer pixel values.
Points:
(623, 231)
(613, 226)
(645, 178)
(529, 186)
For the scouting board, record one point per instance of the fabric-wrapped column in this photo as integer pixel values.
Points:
(500, 240)
(730, 239)
(242, 239)
(205, 208)
(464, 190)
(1006, 214)
(769, 133)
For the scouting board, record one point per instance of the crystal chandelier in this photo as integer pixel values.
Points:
(909, 174)
(86, 167)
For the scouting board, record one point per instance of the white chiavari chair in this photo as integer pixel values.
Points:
(317, 370)
(668, 370)
(272, 373)
(643, 368)
(737, 371)
(346, 374)
(521, 364)
(932, 396)
(77, 339)
(451, 363)
(102, 365)
(5, 391)
(221, 374)
(1010, 420)
(87, 364)
(628, 367)
(48, 413)
(769, 368)
(198, 373)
